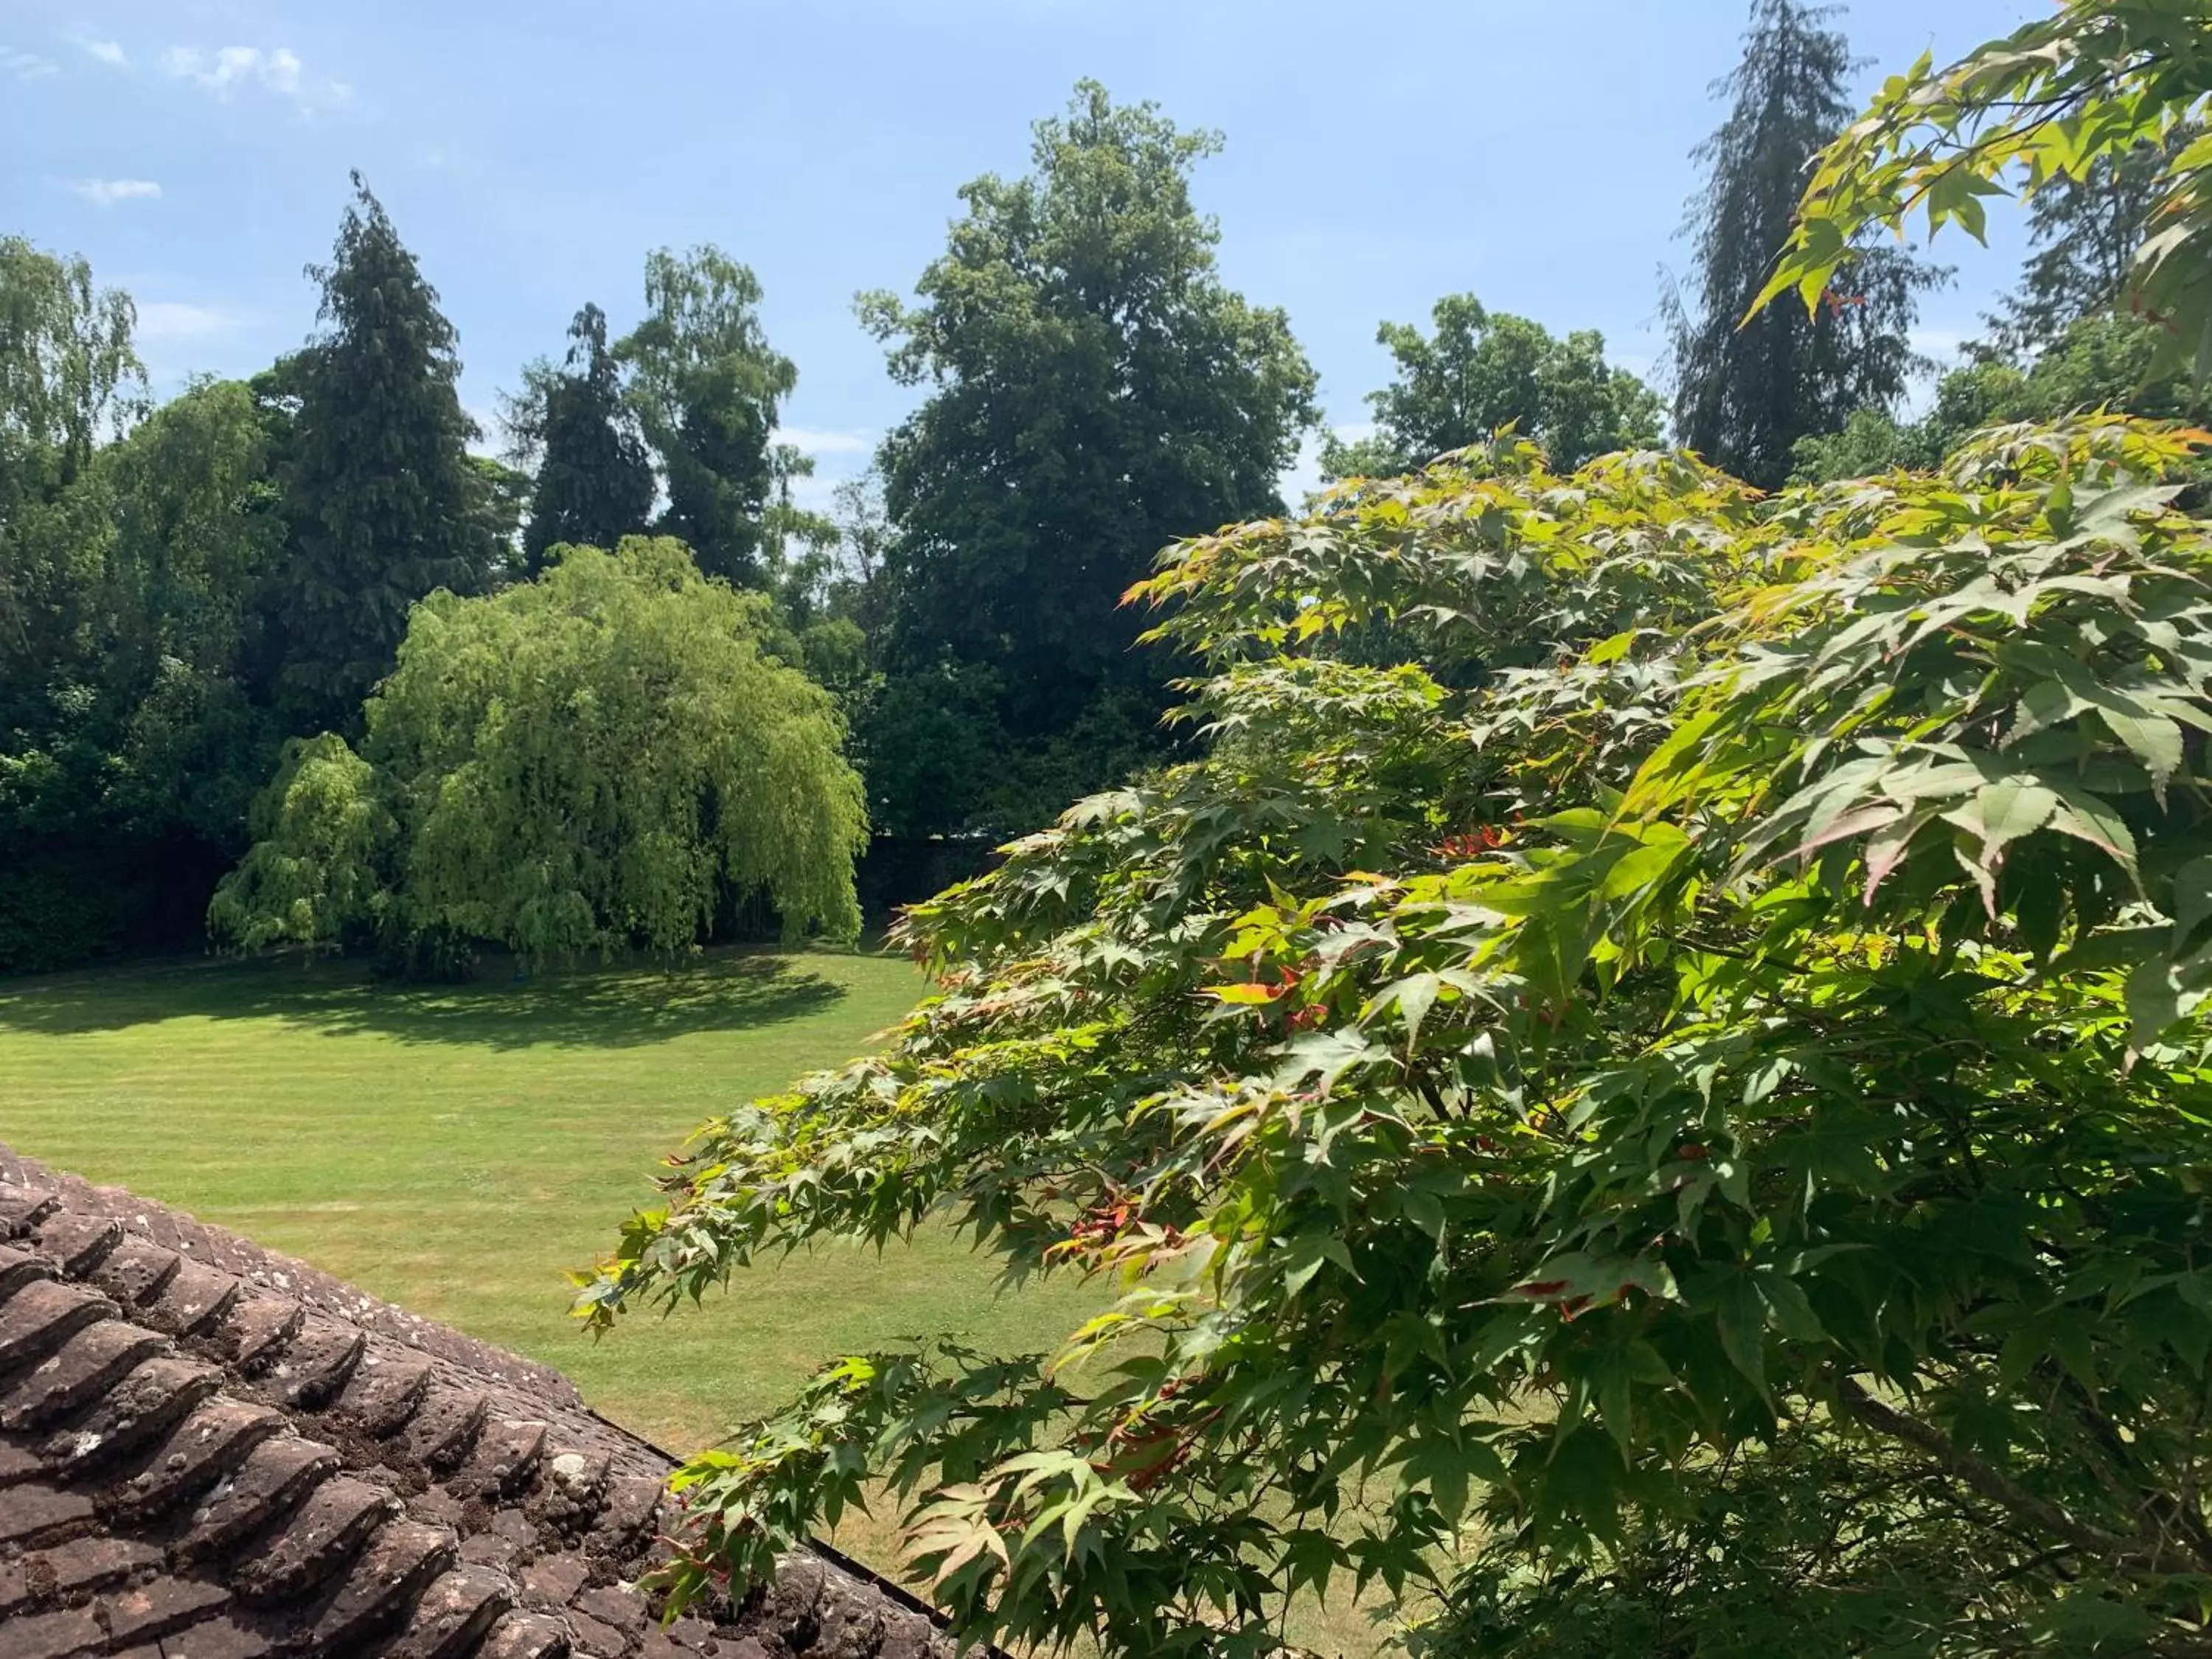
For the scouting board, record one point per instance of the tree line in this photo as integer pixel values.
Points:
(187, 590)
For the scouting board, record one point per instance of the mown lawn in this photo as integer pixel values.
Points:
(455, 1149)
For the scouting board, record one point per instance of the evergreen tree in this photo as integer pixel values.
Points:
(1095, 391)
(705, 386)
(1745, 394)
(383, 504)
(594, 481)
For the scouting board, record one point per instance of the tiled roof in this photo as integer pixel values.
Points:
(211, 1451)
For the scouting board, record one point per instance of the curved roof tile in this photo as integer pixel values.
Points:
(211, 1451)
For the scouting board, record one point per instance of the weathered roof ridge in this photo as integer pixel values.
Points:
(210, 1450)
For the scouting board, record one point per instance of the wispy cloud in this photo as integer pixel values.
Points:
(106, 192)
(26, 66)
(108, 51)
(1941, 343)
(276, 69)
(820, 440)
(167, 321)
(815, 494)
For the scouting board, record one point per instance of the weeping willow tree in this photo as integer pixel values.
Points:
(593, 761)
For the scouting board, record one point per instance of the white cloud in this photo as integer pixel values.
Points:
(106, 192)
(815, 494)
(166, 321)
(26, 66)
(811, 441)
(276, 69)
(108, 51)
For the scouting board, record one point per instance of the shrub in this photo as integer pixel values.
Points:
(1733, 1069)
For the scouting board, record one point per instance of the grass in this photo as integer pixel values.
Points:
(456, 1149)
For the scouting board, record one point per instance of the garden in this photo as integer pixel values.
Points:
(1591, 1041)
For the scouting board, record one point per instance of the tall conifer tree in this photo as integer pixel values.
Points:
(595, 480)
(1744, 394)
(378, 490)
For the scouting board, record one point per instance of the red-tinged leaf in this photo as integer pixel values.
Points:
(1886, 849)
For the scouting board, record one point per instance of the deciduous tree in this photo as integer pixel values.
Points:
(592, 761)
(2099, 361)
(70, 376)
(135, 549)
(707, 386)
(1482, 370)
(1714, 1112)
(1094, 390)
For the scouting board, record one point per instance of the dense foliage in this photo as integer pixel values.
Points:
(132, 552)
(1094, 391)
(379, 495)
(2099, 90)
(1091, 389)
(2099, 362)
(1745, 393)
(1482, 370)
(1745, 1027)
(705, 386)
(594, 482)
(600, 759)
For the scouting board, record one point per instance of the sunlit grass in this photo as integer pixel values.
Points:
(457, 1148)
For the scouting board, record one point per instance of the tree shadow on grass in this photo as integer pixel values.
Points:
(580, 1008)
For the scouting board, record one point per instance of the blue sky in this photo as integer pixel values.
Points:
(1537, 155)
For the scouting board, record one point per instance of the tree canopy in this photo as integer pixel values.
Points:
(706, 385)
(597, 759)
(135, 547)
(1753, 1030)
(1482, 370)
(70, 378)
(2100, 90)
(2095, 362)
(1745, 393)
(1094, 391)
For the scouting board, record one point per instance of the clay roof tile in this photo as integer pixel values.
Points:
(210, 1450)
